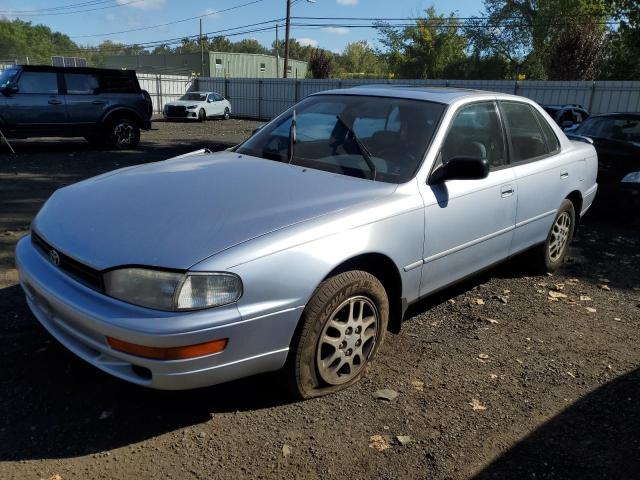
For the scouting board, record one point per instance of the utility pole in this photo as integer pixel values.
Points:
(286, 39)
(277, 53)
(201, 51)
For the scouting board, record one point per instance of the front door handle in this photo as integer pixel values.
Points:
(98, 102)
(54, 101)
(506, 191)
(564, 174)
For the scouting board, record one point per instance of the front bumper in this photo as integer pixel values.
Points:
(188, 115)
(81, 319)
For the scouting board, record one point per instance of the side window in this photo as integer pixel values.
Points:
(81, 83)
(38, 82)
(553, 144)
(476, 132)
(622, 129)
(119, 83)
(527, 139)
(211, 97)
(217, 97)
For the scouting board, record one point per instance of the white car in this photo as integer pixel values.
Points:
(198, 106)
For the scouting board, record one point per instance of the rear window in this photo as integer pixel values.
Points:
(116, 82)
(547, 131)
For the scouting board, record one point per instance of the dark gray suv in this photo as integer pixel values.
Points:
(107, 107)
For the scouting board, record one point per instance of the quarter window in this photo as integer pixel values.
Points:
(38, 82)
(80, 83)
(527, 139)
(550, 137)
(476, 132)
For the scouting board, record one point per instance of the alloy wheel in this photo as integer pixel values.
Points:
(347, 340)
(123, 134)
(559, 236)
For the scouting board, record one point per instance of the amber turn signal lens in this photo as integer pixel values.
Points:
(169, 353)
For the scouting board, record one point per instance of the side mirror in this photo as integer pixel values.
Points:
(579, 138)
(461, 168)
(10, 89)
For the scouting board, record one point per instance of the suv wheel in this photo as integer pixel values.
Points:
(124, 134)
(202, 116)
(341, 328)
(227, 114)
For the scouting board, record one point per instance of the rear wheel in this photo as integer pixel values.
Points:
(552, 253)
(227, 114)
(341, 329)
(124, 134)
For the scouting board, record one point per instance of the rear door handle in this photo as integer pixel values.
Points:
(53, 101)
(506, 191)
(564, 174)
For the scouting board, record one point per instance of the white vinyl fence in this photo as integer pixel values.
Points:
(263, 99)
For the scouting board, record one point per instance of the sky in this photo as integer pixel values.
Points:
(120, 15)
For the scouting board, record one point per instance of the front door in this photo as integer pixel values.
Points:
(469, 223)
(37, 107)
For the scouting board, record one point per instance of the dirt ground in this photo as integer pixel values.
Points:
(496, 378)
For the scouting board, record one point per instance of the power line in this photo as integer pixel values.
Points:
(150, 27)
(73, 12)
(59, 7)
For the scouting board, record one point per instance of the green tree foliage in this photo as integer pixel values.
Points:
(576, 51)
(426, 49)
(20, 39)
(359, 59)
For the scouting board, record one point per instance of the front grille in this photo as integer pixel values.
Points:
(176, 111)
(88, 276)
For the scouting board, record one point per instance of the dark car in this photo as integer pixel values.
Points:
(567, 116)
(104, 106)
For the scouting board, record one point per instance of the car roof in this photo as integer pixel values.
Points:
(445, 95)
(635, 115)
(49, 68)
(563, 105)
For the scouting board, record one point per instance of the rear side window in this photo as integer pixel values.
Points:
(525, 135)
(550, 137)
(38, 82)
(81, 83)
(119, 83)
(476, 132)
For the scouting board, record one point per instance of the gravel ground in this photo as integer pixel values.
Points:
(496, 377)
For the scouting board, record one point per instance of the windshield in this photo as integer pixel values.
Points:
(7, 76)
(395, 131)
(199, 97)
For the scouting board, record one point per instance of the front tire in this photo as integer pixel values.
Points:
(341, 329)
(227, 114)
(552, 253)
(202, 115)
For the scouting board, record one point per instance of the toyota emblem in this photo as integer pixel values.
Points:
(55, 258)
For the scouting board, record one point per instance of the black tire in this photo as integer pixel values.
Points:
(547, 257)
(147, 97)
(302, 375)
(123, 134)
(202, 115)
(227, 114)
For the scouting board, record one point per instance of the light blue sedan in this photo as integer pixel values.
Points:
(298, 249)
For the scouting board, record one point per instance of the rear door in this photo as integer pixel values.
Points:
(38, 108)
(86, 104)
(469, 223)
(543, 173)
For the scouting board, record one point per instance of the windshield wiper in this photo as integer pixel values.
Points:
(292, 136)
(363, 150)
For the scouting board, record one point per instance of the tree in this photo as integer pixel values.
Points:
(576, 52)
(426, 49)
(359, 59)
(321, 64)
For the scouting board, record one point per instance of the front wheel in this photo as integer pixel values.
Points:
(341, 329)
(124, 134)
(202, 115)
(551, 254)
(227, 114)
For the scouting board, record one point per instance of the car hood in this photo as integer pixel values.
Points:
(186, 103)
(178, 212)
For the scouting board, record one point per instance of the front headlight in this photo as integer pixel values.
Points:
(190, 107)
(163, 290)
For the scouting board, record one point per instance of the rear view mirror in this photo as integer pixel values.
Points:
(10, 89)
(461, 168)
